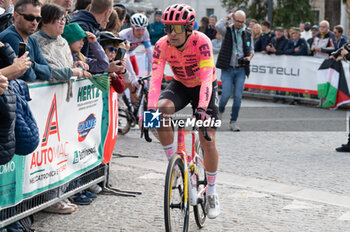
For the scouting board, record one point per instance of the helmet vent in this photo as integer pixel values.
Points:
(171, 16)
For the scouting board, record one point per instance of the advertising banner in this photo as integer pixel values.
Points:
(75, 136)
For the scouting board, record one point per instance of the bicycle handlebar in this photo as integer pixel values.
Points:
(204, 129)
(142, 79)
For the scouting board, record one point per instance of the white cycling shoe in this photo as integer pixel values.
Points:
(213, 206)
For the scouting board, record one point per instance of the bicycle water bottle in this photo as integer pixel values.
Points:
(193, 189)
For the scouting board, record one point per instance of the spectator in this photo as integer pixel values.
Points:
(75, 36)
(340, 40)
(195, 26)
(210, 29)
(26, 20)
(94, 20)
(286, 33)
(111, 44)
(234, 57)
(252, 22)
(55, 48)
(296, 46)
(6, 19)
(126, 23)
(265, 38)
(114, 23)
(203, 24)
(324, 42)
(310, 41)
(217, 42)
(256, 32)
(67, 6)
(82, 4)
(278, 43)
(121, 13)
(301, 27)
(156, 29)
(306, 34)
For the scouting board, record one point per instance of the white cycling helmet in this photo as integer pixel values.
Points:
(139, 20)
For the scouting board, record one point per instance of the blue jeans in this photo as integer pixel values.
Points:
(235, 76)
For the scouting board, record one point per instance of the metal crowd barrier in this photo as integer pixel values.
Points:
(45, 199)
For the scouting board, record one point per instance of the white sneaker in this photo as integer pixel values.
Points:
(213, 206)
(95, 189)
(234, 126)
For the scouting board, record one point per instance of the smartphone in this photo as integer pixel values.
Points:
(120, 54)
(22, 47)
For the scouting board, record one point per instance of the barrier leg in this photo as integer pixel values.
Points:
(109, 190)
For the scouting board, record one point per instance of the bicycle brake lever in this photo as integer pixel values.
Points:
(205, 134)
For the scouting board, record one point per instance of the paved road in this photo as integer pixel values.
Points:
(271, 178)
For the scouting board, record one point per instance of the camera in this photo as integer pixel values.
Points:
(337, 52)
(243, 62)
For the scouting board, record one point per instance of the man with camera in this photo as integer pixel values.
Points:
(234, 58)
(342, 53)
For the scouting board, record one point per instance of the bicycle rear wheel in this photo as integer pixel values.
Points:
(199, 209)
(123, 122)
(176, 212)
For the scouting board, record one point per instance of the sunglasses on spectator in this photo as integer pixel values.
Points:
(30, 17)
(177, 28)
(112, 49)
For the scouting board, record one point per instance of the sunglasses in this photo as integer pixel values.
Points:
(112, 49)
(30, 17)
(139, 29)
(177, 28)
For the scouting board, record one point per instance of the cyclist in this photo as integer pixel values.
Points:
(190, 55)
(136, 35)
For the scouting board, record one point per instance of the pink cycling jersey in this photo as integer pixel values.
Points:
(192, 67)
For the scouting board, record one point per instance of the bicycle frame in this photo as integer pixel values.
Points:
(189, 160)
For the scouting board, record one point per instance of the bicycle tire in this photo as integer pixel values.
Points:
(176, 213)
(123, 122)
(199, 209)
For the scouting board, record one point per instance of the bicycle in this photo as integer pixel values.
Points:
(128, 115)
(185, 183)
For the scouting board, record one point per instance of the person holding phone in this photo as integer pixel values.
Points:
(115, 49)
(26, 20)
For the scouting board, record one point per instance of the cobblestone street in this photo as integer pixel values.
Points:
(267, 181)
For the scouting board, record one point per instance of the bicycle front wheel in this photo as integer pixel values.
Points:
(176, 211)
(123, 122)
(199, 209)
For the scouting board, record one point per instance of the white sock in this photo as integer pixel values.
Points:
(211, 177)
(169, 150)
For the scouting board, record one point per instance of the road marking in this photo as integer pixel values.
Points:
(345, 217)
(301, 205)
(265, 186)
(152, 176)
(244, 193)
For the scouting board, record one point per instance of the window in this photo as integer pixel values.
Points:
(210, 11)
(316, 14)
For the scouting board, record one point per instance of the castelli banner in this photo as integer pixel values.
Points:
(77, 133)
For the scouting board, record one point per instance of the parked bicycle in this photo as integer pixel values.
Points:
(185, 183)
(128, 114)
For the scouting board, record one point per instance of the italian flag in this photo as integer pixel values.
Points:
(332, 85)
